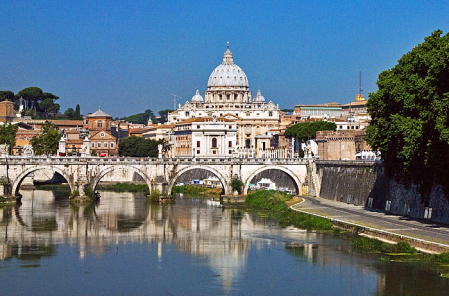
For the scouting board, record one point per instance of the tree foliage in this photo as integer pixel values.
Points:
(141, 118)
(6, 95)
(307, 130)
(164, 115)
(47, 142)
(8, 134)
(139, 147)
(410, 115)
(69, 113)
(78, 112)
(38, 100)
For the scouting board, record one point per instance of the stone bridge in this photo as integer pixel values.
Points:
(158, 173)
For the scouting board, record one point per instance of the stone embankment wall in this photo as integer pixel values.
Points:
(364, 183)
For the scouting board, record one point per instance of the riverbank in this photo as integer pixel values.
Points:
(194, 190)
(274, 204)
(364, 240)
(423, 235)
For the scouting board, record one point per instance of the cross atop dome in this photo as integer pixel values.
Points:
(227, 58)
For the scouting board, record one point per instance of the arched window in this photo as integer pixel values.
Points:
(214, 142)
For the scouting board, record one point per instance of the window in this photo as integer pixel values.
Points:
(230, 144)
(214, 152)
(270, 113)
(197, 126)
(99, 124)
(197, 151)
(93, 145)
(99, 144)
(198, 143)
(214, 143)
(187, 113)
(105, 144)
(248, 143)
(112, 145)
(91, 124)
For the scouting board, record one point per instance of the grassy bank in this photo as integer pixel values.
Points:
(398, 252)
(123, 187)
(53, 187)
(197, 191)
(274, 205)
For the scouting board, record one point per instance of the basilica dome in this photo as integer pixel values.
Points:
(228, 74)
(259, 97)
(197, 97)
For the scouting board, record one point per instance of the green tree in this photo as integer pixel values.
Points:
(141, 118)
(70, 113)
(8, 134)
(164, 114)
(6, 95)
(78, 112)
(49, 107)
(410, 116)
(34, 95)
(48, 140)
(307, 130)
(31, 95)
(138, 147)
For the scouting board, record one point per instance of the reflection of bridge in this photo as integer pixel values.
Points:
(158, 173)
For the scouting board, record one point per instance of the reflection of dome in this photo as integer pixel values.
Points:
(228, 74)
(259, 97)
(197, 97)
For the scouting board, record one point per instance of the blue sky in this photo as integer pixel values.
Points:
(129, 56)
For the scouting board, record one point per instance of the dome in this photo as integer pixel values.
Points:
(99, 113)
(228, 74)
(197, 97)
(259, 97)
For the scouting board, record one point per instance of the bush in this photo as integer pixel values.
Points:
(236, 185)
(275, 202)
(403, 247)
(375, 245)
(75, 193)
(154, 195)
(89, 191)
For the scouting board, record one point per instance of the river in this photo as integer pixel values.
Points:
(125, 246)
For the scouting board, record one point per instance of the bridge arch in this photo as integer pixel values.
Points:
(19, 179)
(100, 175)
(227, 190)
(292, 175)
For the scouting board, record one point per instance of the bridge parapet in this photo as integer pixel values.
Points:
(147, 161)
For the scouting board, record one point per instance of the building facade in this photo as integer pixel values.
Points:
(205, 137)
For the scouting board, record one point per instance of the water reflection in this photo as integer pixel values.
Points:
(226, 240)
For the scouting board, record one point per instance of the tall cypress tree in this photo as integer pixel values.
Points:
(77, 112)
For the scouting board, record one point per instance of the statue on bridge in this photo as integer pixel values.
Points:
(28, 150)
(4, 148)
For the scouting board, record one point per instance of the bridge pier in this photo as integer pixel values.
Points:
(160, 184)
(5, 188)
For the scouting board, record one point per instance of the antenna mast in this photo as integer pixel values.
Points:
(360, 82)
(174, 100)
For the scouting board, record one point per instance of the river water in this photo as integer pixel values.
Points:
(192, 247)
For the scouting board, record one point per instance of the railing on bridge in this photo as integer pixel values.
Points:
(55, 160)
